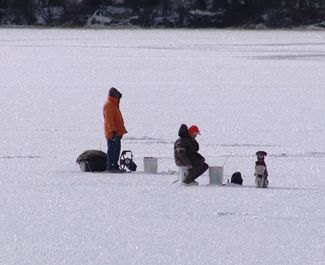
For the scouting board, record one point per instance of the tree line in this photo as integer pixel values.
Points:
(261, 4)
(71, 8)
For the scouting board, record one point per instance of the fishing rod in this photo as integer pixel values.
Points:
(224, 163)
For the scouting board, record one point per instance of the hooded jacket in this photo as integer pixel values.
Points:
(186, 149)
(113, 120)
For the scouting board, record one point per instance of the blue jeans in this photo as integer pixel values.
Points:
(113, 152)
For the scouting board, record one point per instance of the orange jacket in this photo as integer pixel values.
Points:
(113, 120)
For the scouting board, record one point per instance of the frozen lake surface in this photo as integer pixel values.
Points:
(246, 90)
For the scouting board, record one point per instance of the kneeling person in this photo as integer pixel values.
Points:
(186, 154)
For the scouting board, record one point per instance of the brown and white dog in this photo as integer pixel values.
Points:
(261, 174)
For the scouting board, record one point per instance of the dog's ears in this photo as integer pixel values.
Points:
(261, 153)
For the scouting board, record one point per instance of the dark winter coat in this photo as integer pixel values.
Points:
(186, 149)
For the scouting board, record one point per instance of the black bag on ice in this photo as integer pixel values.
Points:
(236, 178)
(92, 160)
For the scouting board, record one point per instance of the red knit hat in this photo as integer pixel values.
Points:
(193, 129)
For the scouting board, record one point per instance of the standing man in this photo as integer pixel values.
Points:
(186, 154)
(114, 129)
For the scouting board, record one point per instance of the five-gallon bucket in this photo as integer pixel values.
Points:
(183, 171)
(150, 165)
(216, 175)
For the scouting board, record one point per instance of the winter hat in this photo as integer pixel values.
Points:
(113, 92)
(183, 131)
(193, 129)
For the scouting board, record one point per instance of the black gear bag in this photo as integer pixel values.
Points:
(92, 161)
(236, 178)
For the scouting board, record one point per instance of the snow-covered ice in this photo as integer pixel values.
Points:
(246, 90)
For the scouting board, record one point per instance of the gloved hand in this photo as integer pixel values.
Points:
(114, 135)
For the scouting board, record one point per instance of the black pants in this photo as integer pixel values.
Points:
(195, 172)
(113, 152)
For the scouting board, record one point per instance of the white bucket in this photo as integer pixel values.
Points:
(216, 175)
(150, 165)
(183, 171)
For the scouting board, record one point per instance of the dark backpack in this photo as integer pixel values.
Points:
(92, 160)
(236, 178)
